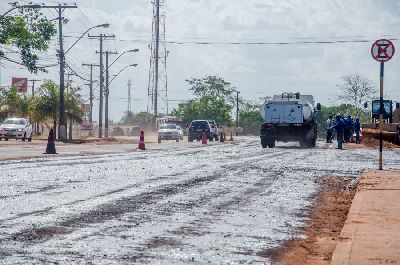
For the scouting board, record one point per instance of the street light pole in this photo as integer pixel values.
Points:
(101, 38)
(91, 90)
(237, 109)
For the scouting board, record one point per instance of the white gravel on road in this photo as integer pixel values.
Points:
(171, 204)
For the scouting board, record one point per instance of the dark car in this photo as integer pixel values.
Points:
(196, 129)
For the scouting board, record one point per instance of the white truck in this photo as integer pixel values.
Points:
(289, 117)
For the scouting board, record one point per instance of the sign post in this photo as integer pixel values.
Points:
(382, 51)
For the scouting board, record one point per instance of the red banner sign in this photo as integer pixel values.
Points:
(20, 83)
(87, 126)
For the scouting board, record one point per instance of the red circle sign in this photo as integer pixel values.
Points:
(382, 50)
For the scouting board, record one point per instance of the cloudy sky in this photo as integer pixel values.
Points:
(280, 63)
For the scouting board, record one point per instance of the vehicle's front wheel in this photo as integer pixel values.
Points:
(264, 143)
(310, 139)
(271, 144)
(24, 138)
(159, 140)
(177, 140)
(5, 139)
(30, 138)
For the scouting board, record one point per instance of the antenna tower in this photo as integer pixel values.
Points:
(157, 88)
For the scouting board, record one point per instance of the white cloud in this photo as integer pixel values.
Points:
(254, 69)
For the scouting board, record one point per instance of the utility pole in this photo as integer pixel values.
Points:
(157, 57)
(33, 80)
(33, 85)
(62, 132)
(129, 95)
(237, 109)
(107, 91)
(101, 37)
(91, 90)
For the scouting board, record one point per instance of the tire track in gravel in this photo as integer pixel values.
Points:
(112, 210)
(239, 200)
(125, 205)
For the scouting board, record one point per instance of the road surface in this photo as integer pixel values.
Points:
(171, 204)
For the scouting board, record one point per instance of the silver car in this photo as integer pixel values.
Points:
(16, 128)
(168, 132)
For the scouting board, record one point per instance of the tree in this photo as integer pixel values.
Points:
(212, 86)
(29, 32)
(45, 106)
(206, 107)
(73, 107)
(138, 119)
(249, 115)
(355, 90)
(214, 99)
(13, 103)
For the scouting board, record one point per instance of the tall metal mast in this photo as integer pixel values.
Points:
(157, 88)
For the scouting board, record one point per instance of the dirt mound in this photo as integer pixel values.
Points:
(372, 142)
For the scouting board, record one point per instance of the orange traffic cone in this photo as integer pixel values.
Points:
(141, 141)
(51, 146)
(204, 138)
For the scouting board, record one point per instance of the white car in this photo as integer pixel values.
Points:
(16, 128)
(180, 132)
(168, 132)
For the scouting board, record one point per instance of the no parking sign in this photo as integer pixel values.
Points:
(382, 51)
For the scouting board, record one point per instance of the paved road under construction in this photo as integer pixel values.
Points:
(171, 204)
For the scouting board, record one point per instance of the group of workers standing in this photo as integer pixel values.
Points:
(343, 128)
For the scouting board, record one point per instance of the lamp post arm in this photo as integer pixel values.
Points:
(117, 58)
(134, 65)
(79, 39)
(23, 6)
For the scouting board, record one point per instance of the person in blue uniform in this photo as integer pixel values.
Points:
(339, 127)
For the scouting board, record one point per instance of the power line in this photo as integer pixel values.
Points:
(213, 42)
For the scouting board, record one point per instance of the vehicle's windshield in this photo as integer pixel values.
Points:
(168, 126)
(199, 124)
(178, 128)
(14, 121)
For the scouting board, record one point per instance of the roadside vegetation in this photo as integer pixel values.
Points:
(43, 107)
(29, 32)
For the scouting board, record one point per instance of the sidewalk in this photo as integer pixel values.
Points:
(371, 234)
